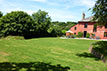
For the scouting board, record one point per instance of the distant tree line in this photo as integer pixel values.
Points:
(60, 28)
(39, 24)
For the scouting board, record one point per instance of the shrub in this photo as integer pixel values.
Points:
(88, 35)
(64, 31)
(16, 23)
(93, 35)
(80, 34)
(73, 36)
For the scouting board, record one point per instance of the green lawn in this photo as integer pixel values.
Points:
(48, 54)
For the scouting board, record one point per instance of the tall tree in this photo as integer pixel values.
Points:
(100, 12)
(42, 21)
(1, 14)
(16, 23)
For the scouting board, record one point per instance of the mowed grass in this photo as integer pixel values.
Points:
(66, 52)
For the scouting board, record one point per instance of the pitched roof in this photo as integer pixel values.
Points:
(69, 31)
(87, 19)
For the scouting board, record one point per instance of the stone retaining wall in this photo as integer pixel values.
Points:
(97, 54)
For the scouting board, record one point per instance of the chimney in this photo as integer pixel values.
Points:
(83, 15)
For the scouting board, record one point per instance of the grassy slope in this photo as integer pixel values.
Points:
(54, 50)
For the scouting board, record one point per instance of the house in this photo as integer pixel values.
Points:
(87, 26)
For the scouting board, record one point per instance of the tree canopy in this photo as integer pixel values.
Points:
(100, 12)
(42, 21)
(60, 28)
(1, 14)
(19, 23)
(16, 23)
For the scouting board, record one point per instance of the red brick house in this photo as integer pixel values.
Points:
(87, 26)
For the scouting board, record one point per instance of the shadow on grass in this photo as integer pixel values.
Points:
(88, 55)
(32, 66)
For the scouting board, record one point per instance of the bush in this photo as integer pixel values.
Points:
(16, 23)
(93, 35)
(80, 34)
(64, 31)
(73, 36)
(88, 35)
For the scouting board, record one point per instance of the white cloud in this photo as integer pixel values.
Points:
(85, 3)
(59, 10)
(60, 15)
(30, 12)
(68, 3)
(39, 0)
(53, 3)
(88, 3)
(62, 18)
(1, 1)
(18, 9)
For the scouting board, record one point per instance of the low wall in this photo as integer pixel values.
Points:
(99, 50)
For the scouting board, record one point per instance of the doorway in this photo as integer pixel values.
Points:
(85, 33)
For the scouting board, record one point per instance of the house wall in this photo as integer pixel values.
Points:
(100, 32)
(80, 27)
(89, 29)
(67, 33)
(73, 29)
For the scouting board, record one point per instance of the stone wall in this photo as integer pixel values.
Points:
(97, 53)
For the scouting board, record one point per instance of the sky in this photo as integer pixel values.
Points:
(58, 10)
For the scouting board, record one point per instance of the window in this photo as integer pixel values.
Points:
(75, 28)
(74, 33)
(105, 34)
(95, 28)
(85, 25)
(105, 26)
